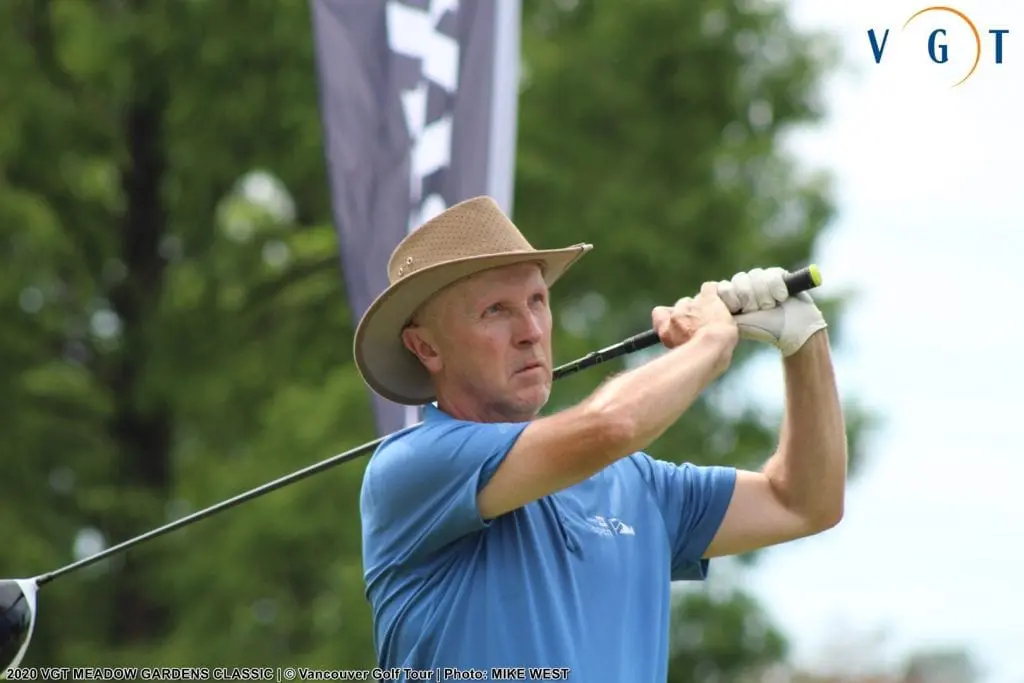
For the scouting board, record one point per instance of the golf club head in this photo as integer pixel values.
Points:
(17, 621)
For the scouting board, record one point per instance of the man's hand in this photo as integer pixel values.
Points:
(766, 311)
(678, 324)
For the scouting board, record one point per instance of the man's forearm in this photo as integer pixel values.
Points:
(808, 472)
(646, 401)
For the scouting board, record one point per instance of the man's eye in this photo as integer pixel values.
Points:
(494, 308)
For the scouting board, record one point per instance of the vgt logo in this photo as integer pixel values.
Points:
(945, 21)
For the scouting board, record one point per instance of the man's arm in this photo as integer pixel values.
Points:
(800, 491)
(447, 479)
(623, 415)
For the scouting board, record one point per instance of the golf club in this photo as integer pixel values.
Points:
(18, 605)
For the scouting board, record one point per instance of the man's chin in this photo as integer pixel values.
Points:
(533, 399)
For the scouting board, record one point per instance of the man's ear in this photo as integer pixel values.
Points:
(419, 342)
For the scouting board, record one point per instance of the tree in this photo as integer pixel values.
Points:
(175, 323)
(944, 665)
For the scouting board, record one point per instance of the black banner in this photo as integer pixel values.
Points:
(418, 101)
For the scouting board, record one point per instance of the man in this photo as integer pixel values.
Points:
(496, 538)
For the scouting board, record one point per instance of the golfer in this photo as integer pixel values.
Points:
(496, 538)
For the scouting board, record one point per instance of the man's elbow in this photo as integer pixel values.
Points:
(822, 514)
(834, 505)
(828, 515)
(830, 518)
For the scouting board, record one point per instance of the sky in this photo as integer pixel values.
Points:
(929, 235)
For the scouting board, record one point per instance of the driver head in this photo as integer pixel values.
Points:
(17, 620)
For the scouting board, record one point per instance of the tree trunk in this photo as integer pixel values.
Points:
(141, 426)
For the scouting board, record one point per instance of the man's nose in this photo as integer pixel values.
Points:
(529, 330)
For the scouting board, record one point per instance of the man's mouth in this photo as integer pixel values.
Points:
(528, 367)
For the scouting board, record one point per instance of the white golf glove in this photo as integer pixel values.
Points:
(766, 311)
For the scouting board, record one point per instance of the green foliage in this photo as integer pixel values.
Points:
(722, 638)
(175, 326)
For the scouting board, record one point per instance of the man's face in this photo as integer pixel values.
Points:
(490, 344)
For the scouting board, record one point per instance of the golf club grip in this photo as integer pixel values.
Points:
(800, 281)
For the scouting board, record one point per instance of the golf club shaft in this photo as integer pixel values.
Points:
(804, 279)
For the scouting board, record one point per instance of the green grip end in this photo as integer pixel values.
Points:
(815, 275)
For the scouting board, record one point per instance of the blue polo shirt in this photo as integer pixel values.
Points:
(579, 579)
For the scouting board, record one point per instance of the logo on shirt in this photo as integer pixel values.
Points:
(612, 526)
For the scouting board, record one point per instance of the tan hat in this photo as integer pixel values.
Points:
(467, 238)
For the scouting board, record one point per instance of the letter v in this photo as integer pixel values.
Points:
(875, 47)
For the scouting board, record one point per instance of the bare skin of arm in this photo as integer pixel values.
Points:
(800, 491)
(622, 416)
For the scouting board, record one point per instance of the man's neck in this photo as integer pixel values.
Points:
(471, 411)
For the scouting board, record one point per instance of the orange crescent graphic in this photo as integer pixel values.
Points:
(967, 20)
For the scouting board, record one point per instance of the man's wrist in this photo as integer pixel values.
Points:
(721, 335)
(816, 345)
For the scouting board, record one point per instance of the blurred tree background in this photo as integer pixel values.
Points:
(175, 322)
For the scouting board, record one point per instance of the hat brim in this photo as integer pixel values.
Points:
(386, 365)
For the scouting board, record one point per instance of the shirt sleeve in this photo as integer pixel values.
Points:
(420, 490)
(693, 500)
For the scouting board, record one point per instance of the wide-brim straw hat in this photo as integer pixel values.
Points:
(467, 238)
